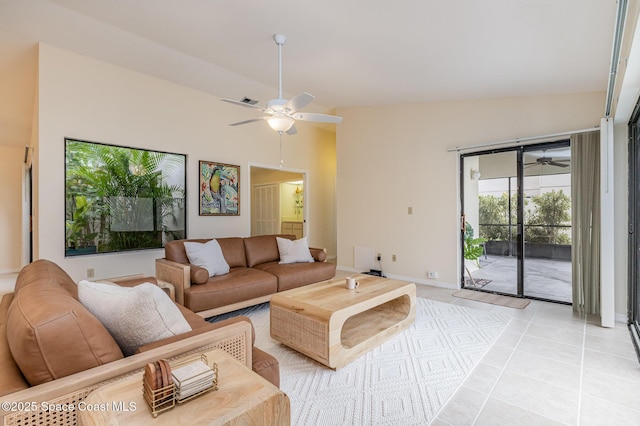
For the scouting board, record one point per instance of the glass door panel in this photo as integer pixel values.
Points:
(547, 222)
(490, 231)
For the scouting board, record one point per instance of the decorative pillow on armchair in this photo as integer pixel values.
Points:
(296, 251)
(134, 316)
(208, 256)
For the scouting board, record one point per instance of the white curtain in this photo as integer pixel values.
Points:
(585, 231)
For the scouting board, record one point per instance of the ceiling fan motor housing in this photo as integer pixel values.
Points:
(276, 104)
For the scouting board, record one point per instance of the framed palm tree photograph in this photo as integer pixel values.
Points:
(219, 189)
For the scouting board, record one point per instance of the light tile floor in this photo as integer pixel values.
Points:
(549, 367)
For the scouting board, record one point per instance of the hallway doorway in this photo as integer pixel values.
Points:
(277, 201)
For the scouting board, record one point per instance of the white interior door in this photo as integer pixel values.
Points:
(266, 210)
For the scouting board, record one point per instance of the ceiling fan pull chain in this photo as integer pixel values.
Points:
(281, 159)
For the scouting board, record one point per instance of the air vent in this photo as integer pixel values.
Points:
(249, 101)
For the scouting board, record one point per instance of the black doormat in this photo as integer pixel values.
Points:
(480, 282)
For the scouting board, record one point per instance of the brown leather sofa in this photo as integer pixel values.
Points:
(50, 343)
(255, 274)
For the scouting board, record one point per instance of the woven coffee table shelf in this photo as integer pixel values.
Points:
(334, 325)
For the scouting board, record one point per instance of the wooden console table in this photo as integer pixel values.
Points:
(243, 398)
(334, 325)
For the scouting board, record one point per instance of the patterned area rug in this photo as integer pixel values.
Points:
(405, 381)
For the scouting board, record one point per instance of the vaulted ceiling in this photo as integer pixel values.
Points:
(346, 53)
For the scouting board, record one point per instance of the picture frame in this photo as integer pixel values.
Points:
(219, 189)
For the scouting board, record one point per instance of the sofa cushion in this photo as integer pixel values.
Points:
(208, 256)
(238, 285)
(294, 275)
(44, 270)
(296, 251)
(134, 316)
(233, 250)
(266, 365)
(11, 379)
(51, 335)
(195, 321)
(263, 249)
(174, 250)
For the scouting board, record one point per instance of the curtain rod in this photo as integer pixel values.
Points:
(517, 140)
(621, 14)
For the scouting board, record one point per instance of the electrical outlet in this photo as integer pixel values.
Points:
(393, 257)
(432, 274)
(379, 257)
(90, 272)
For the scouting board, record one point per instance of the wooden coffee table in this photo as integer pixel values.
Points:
(333, 325)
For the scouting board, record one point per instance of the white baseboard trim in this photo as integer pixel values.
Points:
(622, 318)
(406, 278)
(619, 317)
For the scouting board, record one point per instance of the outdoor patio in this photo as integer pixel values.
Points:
(543, 278)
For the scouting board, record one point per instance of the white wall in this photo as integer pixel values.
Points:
(83, 98)
(394, 157)
(12, 194)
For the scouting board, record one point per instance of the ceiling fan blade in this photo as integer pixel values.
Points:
(555, 163)
(247, 121)
(298, 102)
(292, 131)
(244, 104)
(318, 118)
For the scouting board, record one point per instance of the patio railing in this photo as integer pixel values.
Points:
(503, 242)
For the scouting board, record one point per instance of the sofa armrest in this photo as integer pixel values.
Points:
(175, 273)
(318, 254)
(206, 327)
(234, 338)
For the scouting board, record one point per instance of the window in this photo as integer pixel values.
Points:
(119, 198)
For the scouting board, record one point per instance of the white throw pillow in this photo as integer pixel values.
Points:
(134, 316)
(296, 251)
(208, 256)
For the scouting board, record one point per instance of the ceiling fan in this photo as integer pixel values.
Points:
(281, 114)
(548, 161)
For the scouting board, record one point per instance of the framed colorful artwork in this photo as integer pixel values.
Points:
(219, 189)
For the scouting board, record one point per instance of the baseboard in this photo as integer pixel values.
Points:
(621, 318)
(405, 278)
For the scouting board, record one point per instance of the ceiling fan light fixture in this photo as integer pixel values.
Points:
(280, 123)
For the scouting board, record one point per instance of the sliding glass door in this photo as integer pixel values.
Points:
(634, 225)
(547, 222)
(490, 222)
(516, 221)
